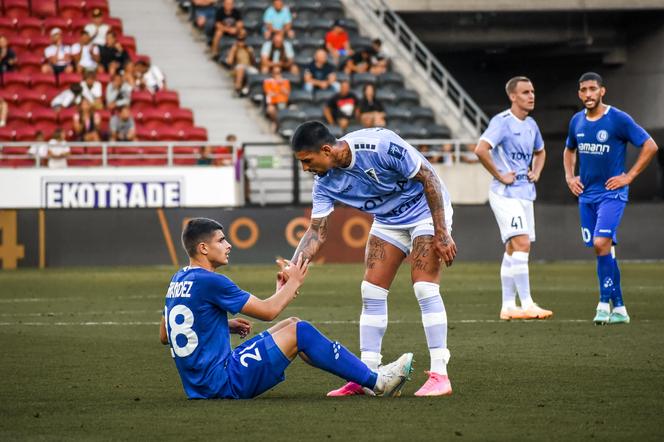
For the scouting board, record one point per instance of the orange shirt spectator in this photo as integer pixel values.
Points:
(277, 90)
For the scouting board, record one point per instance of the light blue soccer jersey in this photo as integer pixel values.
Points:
(602, 144)
(197, 304)
(513, 143)
(379, 180)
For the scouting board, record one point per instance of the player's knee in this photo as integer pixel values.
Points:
(293, 319)
(602, 245)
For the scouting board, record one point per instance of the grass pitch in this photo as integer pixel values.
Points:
(81, 359)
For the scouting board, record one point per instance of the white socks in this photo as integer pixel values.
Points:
(434, 321)
(521, 277)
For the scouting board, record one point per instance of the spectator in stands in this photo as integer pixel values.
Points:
(71, 96)
(85, 54)
(112, 55)
(122, 126)
(148, 76)
(7, 56)
(278, 52)
(4, 110)
(58, 150)
(276, 90)
(380, 62)
(97, 29)
(359, 62)
(228, 21)
(118, 93)
(468, 154)
(431, 154)
(92, 90)
(370, 110)
(242, 61)
(87, 123)
(202, 14)
(205, 157)
(320, 73)
(278, 18)
(57, 55)
(337, 42)
(341, 108)
(39, 149)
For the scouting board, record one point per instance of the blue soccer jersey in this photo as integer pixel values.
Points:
(379, 180)
(513, 143)
(602, 144)
(197, 304)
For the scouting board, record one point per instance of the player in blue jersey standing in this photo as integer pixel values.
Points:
(511, 149)
(196, 326)
(600, 134)
(376, 171)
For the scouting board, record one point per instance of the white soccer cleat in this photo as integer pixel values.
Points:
(393, 376)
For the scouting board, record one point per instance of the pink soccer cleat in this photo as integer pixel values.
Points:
(436, 385)
(350, 389)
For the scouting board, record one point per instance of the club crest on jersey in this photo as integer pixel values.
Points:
(372, 174)
(396, 151)
(602, 136)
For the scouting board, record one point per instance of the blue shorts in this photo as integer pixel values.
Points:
(255, 366)
(601, 219)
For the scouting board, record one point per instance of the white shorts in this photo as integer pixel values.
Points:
(402, 238)
(515, 216)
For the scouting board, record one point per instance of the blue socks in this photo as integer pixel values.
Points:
(616, 296)
(605, 270)
(332, 356)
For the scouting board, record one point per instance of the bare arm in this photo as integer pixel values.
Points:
(573, 181)
(312, 240)
(648, 151)
(539, 157)
(443, 242)
(482, 151)
(163, 337)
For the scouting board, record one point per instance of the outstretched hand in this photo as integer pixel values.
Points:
(445, 247)
(239, 326)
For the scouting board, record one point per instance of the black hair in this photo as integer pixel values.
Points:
(311, 136)
(196, 231)
(592, 76)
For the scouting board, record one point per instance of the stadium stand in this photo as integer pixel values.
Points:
(29, 89)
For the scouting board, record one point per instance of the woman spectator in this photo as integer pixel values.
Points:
(7, 56)
(370, 111)
(87, 123)
(242, 61)
(112, 55)
(57, 55)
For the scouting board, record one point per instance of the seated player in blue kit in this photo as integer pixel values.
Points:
(196, 327)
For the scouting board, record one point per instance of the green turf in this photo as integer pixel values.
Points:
(67, 375)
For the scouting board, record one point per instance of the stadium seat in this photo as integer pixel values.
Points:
(6, 134)
(166, 99)
(38, 43)
(167, 134)
(141, 100)
(28, 26)
(397, 115)
(145, 134)
(386, 96)
(128, 42)
(15, 80)
(70, 9)
(359, 42)
(300, 97)
(41, 82)
(28, 99)
(7, 26)
(360, 79)
(195, 133)
(438, 131)
(390, 80)
(288, 120)
(91, 5)
(155, 118)
(56, 22)
(321, 96)
(18, 117)
(115, 24)
(16, 8)
(29, 63)
(24, 134)
(43, 8)
(43, 115)
(66, 115)
(78, 23)
(182, 118)
(421, 116)
(65, 79)
(407, 97)
(313, 112)
(19, 43)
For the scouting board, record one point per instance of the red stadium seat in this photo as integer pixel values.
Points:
(91, 5)
(70, 9)
(18, 43)
(44, 8)
(128, 43)
(145, 134)
(77, 24)
(167, 134)
(29, 63)
(185, 155)
(56, 22)
(28, 26)
(24, 134)
(48, 128)
(70, 39)
(6, 134)
(65, 79)
(141, 100)
(42, 82)
(115, 24)
(16, 8)
(182, 118)
(67, 115)
(104, 79)
(7, 26)
(195, 134)
(44, 115)
(154, 118)
(18, 117)
(38, 43)
(15, 80)
(166, 99)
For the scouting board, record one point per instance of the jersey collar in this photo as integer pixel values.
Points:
(515, 117)
(608, 108)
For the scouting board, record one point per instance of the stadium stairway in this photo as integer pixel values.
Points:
(200, 82)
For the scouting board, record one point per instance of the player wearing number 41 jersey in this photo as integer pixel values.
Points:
(512, 150)
(197, 328)
(600, 134)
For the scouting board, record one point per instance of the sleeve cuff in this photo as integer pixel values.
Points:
(491, 143)
(323, 214)
(418, 166)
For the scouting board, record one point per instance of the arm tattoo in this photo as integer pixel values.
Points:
(312, 239)
(434, 196)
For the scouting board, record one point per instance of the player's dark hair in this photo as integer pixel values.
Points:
(311, 136)
(590, 76)
(510, 86)
(196, 231)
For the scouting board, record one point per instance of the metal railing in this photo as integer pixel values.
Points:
(440, 80)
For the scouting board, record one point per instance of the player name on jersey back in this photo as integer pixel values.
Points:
(180, 289)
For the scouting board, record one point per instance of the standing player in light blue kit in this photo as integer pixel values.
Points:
(376, 171)
(196, 326)
(512, 150)
(600, 134)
